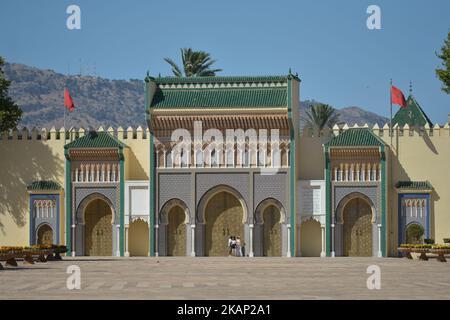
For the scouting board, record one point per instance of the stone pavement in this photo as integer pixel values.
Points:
(228, 278)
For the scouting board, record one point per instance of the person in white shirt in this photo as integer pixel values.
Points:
(238, 247)
(230, 239)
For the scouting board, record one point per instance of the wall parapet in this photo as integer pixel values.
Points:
(397, 131)
(130, 133)
(142, 133)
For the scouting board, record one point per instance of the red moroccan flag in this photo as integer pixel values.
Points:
(68, 102)
(397, 97)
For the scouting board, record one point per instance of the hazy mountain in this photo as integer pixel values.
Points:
(101, 101)
(349, 115)
(98, 101)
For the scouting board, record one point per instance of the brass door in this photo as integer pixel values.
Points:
(272, 232)
(176, 230)
(45, 235)
(98, 230)
(223, 215)
(357, 229)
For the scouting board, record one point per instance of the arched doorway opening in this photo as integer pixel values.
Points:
(98, 228)
(224, 215)
(176, 232)
(414, 233)
(138, 238)
(357, 228)
(45, 235)
(269, 219)
(272, 232)
(310, 238)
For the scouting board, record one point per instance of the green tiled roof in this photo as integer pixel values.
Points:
(220, 92)
(220, 98)
(413, 115)
(414, 185)
(219, 79)
(355, 137)
(95, 139)
(44, 185)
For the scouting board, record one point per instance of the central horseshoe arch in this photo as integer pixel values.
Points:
(222, 212)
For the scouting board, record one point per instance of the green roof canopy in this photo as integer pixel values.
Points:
(44, 185)
(95, 139)
(221, 79)
(221, 98)
(220, 92)
(413, 185)
(356, 137)
(413, 115)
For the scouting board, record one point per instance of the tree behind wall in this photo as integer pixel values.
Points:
(10, 113)
(444, 73)
(321, 116)
(195, 64)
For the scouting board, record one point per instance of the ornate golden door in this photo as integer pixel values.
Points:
(223, 215)
(357, 229)
(272, 232)
(45, 235)
(176, 231)
(98, 229)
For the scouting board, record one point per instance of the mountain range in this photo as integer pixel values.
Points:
(103, 102)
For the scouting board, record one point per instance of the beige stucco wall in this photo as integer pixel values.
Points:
(416, 157)
(420, 158)
(24, 160)
(137, 153)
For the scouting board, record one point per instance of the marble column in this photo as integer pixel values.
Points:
(323, 253)
(156, 240)
(333, 252)
(380, 254)
(192, 240)
(73, 240)
(118, 241)
(251, 253)
(288, 253)
(127, 253)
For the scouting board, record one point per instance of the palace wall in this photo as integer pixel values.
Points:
(419, 154)
(39, 155)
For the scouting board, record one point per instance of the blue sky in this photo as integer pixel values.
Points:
(339, 60)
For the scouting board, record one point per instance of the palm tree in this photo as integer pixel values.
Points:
(195, 64)
(320, 116)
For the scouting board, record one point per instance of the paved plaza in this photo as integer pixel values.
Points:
(228, 278)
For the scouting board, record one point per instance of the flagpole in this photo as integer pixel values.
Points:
(391, 133)
(64, 124)
(390, 122)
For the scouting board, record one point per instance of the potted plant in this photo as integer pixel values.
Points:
(429, 241)
(446, 240)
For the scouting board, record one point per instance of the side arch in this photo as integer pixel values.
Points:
(357, 236)
(45, 234)
(81, 231)
(80, 212)
(351, 196)
(270, 232)
(173, 232)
